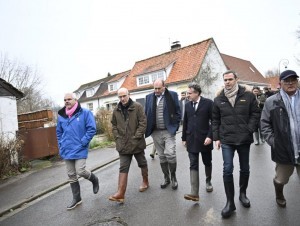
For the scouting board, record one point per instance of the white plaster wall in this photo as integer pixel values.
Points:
(8, 117)
(214, 60)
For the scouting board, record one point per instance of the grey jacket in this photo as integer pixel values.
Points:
(275, 127)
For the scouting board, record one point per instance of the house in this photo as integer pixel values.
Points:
(89, 94)
(8, 109)
(200, 62)
(273, 83)
(247, 73)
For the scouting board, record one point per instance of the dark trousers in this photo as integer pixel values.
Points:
(194, 159)
(228, 154)
(125, 161)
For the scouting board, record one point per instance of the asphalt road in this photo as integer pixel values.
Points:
(167, 207)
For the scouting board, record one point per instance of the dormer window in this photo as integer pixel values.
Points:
(112, 87)
(90, 92)
(150, 78)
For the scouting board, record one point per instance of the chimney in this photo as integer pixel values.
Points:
(175, 45)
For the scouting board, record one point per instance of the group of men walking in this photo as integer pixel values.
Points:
(230, 120)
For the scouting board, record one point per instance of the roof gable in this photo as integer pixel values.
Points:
(7, 89)
(244, 68)
(187, 63)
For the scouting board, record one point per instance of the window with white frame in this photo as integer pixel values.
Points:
(112, 87)
(157, 74)
(90, 92)
(90, 106)
(150, 78)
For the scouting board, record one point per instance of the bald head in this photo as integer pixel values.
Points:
(159, 87)
(123, 95)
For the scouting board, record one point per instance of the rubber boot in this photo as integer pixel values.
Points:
(172, 167)
(194, 195)
(261, 137)
(145, 183)
(120, 195)
(95, 182)
(279, 194)
(165, 170)
(230, 206)
(256, 138)
(209, 187)
(75, 187)
(243, 188)
(152, 154)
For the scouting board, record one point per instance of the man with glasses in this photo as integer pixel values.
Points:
(75, 129)
(280, 125)
(234, 119)
(163, 119)
(197, 137)
(129, 126)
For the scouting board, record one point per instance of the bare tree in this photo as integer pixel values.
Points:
(27, 80)
(271, 73)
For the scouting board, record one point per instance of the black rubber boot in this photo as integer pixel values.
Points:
(230, 206)
(95, 182)
(165, 170)
(208, 171)
(280, 200)
(75, 187)
(172, 167)
(243, 187)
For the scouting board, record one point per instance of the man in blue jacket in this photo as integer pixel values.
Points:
(75, 129)
(163, 119)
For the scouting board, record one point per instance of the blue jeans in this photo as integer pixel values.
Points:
(228, 154)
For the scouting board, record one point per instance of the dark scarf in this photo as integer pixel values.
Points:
(124, 108)
(170, 106)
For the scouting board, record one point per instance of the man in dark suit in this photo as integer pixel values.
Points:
(163, 119)
(197, 137)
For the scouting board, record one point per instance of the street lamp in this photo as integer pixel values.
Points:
(283, 62)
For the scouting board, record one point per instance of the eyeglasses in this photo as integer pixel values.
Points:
(68, 99)
(228, 79)
(290, 81)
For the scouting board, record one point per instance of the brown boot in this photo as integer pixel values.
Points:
(120, 195)
(279, 194)
(145, 183)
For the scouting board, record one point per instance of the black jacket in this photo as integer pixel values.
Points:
(197, 125)
(235, 125)
(275, 127)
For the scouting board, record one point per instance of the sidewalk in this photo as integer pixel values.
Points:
(17, 191)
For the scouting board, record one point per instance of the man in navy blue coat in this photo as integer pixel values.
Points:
(197, 137)
(163, 119)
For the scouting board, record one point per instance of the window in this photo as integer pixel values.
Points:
(112, 87)
(150, 78)
(89, 92)
(156, 75)
(90, 106)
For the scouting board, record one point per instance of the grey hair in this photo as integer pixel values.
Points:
(73, 95)
(196, 87)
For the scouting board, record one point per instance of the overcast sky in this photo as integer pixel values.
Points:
(73, 42)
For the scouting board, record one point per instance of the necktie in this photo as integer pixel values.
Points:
(194, 105)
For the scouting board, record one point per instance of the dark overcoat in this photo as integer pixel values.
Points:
(197, 126)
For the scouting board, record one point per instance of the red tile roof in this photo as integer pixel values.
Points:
(274, 82)
(187, 62)
(244, 68)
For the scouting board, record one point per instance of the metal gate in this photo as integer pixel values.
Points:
(38, 143)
